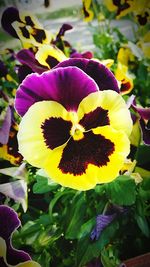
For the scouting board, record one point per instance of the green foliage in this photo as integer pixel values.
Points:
(122, 191)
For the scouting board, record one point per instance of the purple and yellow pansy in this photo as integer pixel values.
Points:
(8, 138)
(121, 8)
(72, 123)
(25, 27)
(9, 256)
(140, 9)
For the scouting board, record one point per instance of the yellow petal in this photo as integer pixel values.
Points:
(30, 137)
(117, 158)
(46, 51)
(118, 113)
(94, 174)
(28, 264)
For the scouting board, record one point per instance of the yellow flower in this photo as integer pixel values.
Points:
(76, 133)
(125, 55)
(87, 11)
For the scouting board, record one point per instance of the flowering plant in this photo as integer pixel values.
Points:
(74, 143)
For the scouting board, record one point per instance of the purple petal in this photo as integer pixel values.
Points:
(143, 112)
(5, 129)
(102, 221)
(68, 86)
(13, 14)
(145, 129)
(9, 222)
(25, 56)
(97, 71)
(15, 256)
(65, 27)
(87, 54)
(22, 72)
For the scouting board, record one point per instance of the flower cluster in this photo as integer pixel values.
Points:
(74, 140)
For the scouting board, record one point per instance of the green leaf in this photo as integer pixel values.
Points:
(143, 225)
(122, 191)
(62, 193)
(109, 257)
(44, 258)
(43, 185)
(76, 216)
(86, 228)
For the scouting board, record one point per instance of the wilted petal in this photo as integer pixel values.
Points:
(98, 72)
(5, 128)
(17, 172)
(62, 85)
(16, 190)
(102, 221)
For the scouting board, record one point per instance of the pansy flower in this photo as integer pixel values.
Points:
(87, 10)
(10, 256)
(25, 26)
(121, 8)
(141, 11)
(72, 129)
